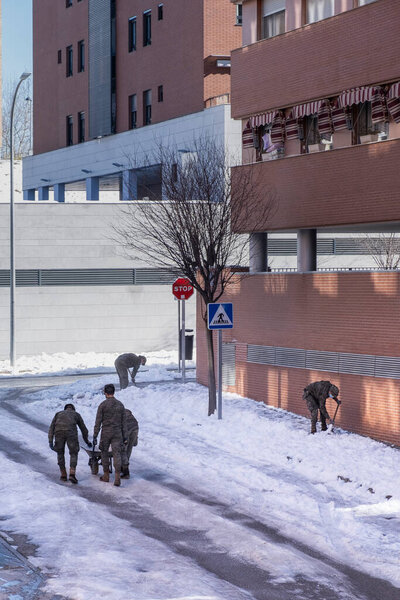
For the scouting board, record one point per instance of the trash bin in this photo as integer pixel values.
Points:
(188, 344)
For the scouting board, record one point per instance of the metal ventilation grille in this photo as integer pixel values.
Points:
(291, 357)
(350, 246)
(357, 364)
(155, 276)
(325, 246)
(318, 360)
(387, 366)
(264, 355)
(53, 277)
(277, 247)
(228, 363)
(4, 278)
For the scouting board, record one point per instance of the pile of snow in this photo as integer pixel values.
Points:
(337, 493)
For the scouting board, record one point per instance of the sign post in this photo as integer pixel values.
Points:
(182, 289)
(220, 316)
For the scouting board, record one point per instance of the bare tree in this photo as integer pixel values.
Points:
(384, 249)
(22, 119)
(193, 231)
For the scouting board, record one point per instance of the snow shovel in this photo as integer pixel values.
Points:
(331, 425)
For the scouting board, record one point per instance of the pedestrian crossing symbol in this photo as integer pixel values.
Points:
(220, 315)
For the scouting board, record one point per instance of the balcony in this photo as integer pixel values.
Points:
(348, 186)
(354, 48)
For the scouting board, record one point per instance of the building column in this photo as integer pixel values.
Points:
(59, 192)
(29, 194)
(92, 188)
(306, 250)
(258, 252)
(44, 192)
(129, 185)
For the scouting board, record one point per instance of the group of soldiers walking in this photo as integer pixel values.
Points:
(119, 430)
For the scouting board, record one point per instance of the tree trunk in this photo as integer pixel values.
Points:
(212, 395)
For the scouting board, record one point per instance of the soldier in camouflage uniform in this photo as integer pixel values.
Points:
(132, 427)
(315, 396)
(123, 363)
(111, 418)
(64, 430)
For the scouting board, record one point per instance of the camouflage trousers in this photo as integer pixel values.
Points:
(127, 449)
(314, 408)
(71, 440)
(115, 441)
(123, 374)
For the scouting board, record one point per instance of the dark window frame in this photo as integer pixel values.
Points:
(239, 15)
(132, 34)
(160, 12)
(81, 56)
(69, 130)
(59, 57)
(147, 107)
(147, 28)
(68, 3)
(69, 66)
(132, 100)
(81, 127)
(160, 93)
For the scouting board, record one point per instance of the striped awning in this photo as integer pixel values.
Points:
(262, 119)
(247, 136)
(303, 110)
(355, 96)
(394, 91)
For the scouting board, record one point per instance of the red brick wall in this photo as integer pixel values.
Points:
(55, 96)
(358, 47)
(337, 312)
(341, 187)
(174, 60)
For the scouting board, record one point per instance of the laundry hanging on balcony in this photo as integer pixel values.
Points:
(373, 94)
(393, 102)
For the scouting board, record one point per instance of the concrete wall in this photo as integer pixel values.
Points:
(80, 318)
(331, 312)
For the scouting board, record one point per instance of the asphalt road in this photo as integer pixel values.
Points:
(249, 580)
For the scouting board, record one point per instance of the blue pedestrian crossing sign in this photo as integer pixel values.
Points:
(220, 315)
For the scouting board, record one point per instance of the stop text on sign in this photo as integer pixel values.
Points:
(182, 288)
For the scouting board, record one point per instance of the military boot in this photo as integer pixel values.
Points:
(117, 479)
(313, 428)
(72, 477)
(125, 472)
(63, 475)
(105, 477)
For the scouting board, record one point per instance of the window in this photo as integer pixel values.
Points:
(81, 56)
(69, 61)
(70, 131)
(238, 14)
(132, 112)
(68, 3)
(362, 2)
(160, 12)
(59, 57)
(132, 34)
(147, 28)
(147, 107)
(273, 18)
(160, 93)
(310, 132)
(81, 127)
(316, 10)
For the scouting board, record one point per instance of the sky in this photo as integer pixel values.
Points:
(221, 487)
(16, 38)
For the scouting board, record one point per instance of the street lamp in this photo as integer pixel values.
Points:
(12, 227)
(28, 99)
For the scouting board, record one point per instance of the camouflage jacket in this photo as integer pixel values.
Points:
(68, 421)
(111, 417)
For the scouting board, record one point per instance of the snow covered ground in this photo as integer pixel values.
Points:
(338, 494)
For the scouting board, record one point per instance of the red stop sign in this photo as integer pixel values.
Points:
(182, 288)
